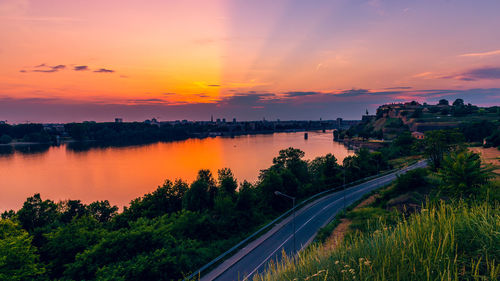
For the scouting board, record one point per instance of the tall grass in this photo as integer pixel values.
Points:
(445, 242)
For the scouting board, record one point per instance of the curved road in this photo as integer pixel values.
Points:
(255, 257)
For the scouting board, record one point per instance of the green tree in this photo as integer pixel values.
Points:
(291, 159)
(201, 194)
(443, 102)
(325, 172)
(438, 143)
(18, 258)
(165, 199)
(458, 102)
(70, 209)
(463, 174)
(65, 242)
(37, 213)
(4, 139)
(102, 211)
(227, 182)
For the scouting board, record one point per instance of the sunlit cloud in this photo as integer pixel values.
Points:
(424, 75)
(483, 54)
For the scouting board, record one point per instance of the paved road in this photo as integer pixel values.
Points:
(255, 257)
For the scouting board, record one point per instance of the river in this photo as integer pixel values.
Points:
(120, 174)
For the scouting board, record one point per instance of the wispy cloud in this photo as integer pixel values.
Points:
(423, 75)
(104, 70)
(398, 88)
(45, 68)
(482, 54)
(81, 68)
(49, 69)
(300, 94)
(43, 19)
(481, 73)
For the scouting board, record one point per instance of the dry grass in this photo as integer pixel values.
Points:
(489, 155)
(446, 242)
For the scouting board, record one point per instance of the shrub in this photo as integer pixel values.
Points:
(4, 139)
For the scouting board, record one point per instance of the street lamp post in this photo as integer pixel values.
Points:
(345, 168)
(293, 209)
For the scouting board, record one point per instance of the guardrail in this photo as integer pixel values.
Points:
(272, 223)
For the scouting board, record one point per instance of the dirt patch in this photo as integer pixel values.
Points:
(339, 232)
(489, 155)
(367, 201)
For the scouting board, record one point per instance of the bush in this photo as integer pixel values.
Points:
(4, 139)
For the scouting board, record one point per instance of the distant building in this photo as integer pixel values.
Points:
(223, 120)
(3, 122)
(153, 121)
(118, 120)
(418, 135)
(339, 122)
(212, 119)
(234, 120)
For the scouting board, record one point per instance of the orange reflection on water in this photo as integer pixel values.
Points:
(122, 174)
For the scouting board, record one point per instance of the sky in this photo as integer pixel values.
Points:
(64, 61)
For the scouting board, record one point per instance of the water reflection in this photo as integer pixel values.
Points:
(90, 171)
(26, 149)
(6, 150)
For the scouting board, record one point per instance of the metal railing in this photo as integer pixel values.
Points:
(273, 222)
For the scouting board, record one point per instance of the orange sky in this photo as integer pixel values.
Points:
(175, 53)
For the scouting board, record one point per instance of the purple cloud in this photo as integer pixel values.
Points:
(398, 88)
(49, 69)
(481, 73)
(81, 68)
(104, 70)
(300, 94)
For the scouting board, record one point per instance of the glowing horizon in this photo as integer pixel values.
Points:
(73, 61)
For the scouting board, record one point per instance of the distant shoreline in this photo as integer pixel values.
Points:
(194, 136)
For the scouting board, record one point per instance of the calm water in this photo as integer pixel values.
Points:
(124, 173)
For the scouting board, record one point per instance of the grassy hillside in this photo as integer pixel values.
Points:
(443, 242)
(476, 123)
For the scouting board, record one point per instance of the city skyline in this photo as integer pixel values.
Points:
(66, 61)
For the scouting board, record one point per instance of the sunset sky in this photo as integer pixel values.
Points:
(75, 60)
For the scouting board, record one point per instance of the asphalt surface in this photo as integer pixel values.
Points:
(307, 223)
